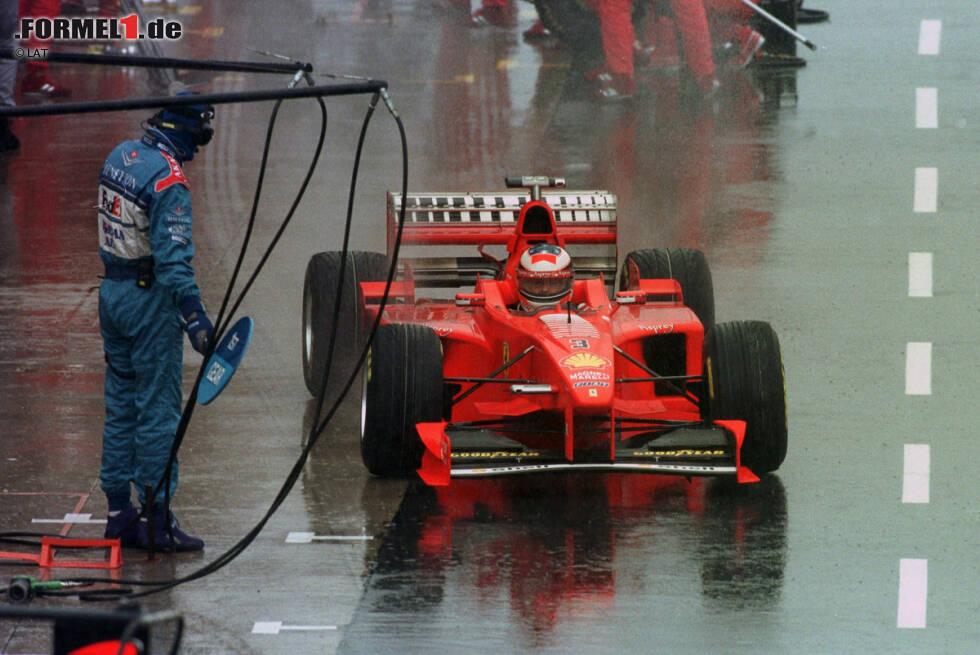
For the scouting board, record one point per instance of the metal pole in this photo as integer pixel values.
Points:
(786, 28)
(369, 86)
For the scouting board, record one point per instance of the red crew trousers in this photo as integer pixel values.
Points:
(38, 9)
(690, 17)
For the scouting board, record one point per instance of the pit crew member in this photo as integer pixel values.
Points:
(148, 296)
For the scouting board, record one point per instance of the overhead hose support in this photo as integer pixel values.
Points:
(351, 88)
(378, 88)
(136, 61)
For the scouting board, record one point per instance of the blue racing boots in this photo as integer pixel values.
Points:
(134, 531)
(124, 525)
(165, 536)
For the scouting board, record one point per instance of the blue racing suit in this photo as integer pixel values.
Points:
(145, 243)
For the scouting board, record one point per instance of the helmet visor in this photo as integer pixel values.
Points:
(545, 287)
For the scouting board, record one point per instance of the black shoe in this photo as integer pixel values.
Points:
(124, 526)
(166, 537)
(805, 15)
(8, 140)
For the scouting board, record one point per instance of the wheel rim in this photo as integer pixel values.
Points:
(308, 332)
(365, 374)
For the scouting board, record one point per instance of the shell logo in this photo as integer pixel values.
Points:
(584, 360)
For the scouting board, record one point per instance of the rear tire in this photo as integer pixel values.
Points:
(744, 371)
(689, 267)
(402, 386)
(319, 296)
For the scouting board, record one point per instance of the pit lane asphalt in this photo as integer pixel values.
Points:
(805, 211)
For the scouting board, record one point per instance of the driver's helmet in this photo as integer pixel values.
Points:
(544, 276)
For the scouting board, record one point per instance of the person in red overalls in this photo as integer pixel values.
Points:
(36, 79)
(729, 20)
(696, 22)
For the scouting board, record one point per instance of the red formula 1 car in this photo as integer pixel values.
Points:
(474, 385)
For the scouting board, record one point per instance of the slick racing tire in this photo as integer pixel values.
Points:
(743, 368)
(319, 296)
(402, 386)
(689, 267)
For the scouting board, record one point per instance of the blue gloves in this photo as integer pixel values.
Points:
(197, 325)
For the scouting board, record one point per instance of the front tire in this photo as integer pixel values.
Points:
(743, 367)
(402, 386)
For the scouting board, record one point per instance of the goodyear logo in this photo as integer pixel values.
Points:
(584, 360)
(493, 454)
(678, 453)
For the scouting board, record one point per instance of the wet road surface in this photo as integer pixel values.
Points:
(816, 213)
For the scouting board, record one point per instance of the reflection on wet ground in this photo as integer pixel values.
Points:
(539, 560)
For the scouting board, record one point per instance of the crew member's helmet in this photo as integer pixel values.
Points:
(544, 276)
(186, 126)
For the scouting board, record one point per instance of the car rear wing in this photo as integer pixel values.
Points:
(489, 218)
(454, 272)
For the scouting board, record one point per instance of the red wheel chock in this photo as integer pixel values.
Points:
(50, 544)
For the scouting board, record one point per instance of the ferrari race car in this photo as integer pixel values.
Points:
(476, 384)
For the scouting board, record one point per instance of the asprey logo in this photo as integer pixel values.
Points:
(62, 28)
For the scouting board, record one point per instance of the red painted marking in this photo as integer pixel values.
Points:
(82, 499)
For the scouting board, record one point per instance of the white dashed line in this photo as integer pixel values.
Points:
(913, 578)
(926, 108)
(926, 190)
(918, 368)
(920, 275)
(309, 537)
(72, 518)
(275, 627)
(929, 33)
(915, 480)
(913, 583)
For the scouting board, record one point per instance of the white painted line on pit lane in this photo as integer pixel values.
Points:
(275, 627)
(309, 537)
(915, 480)
(926, 190)
(918, 368)
(920, 275)
(929, 33)
(72, 518)
(913, 583)
(926, 108)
